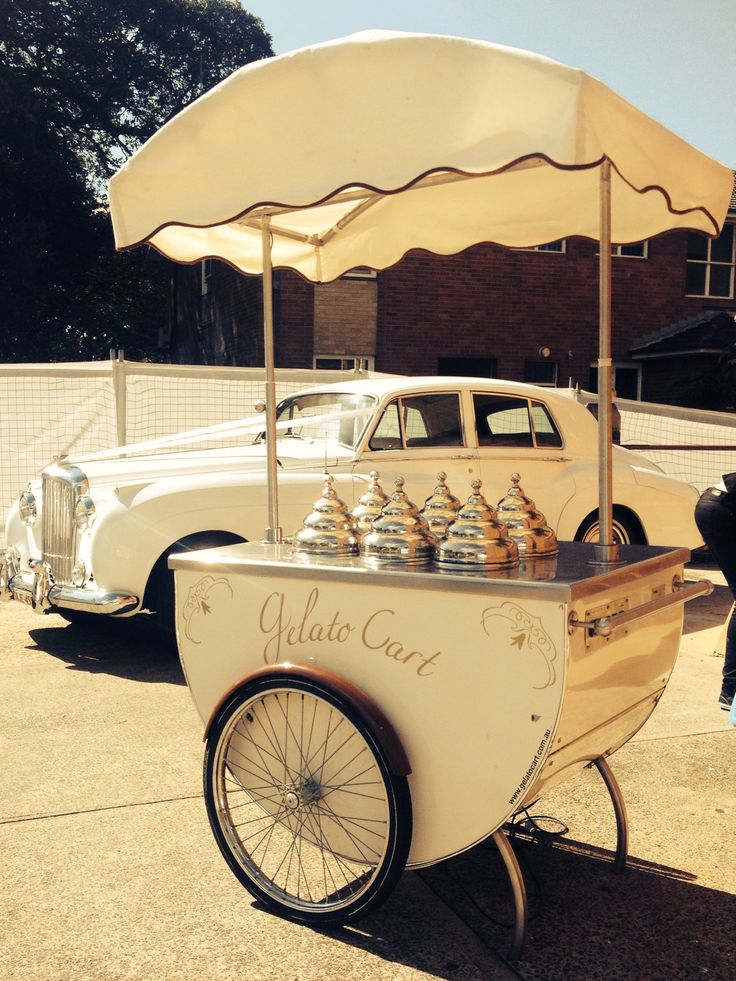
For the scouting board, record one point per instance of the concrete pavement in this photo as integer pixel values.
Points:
(110, 870)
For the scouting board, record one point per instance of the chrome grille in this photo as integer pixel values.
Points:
(58, 525)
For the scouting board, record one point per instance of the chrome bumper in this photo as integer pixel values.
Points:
(38, 590)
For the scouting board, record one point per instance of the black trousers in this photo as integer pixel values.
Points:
(715, 516)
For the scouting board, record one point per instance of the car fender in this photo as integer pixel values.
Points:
(663, 505)
(141, 522)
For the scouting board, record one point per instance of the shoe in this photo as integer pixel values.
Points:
(725, 702)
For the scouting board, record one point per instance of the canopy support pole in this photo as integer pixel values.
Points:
(606, 550)
(273, 531)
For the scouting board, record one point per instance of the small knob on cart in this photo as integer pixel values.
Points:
(441, 507)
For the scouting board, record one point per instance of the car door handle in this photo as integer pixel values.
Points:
(557, 459)
(465, 456)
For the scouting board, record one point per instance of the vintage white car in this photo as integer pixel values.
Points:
(94, 537)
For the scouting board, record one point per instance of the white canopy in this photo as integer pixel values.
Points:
(383, 130)
(351, 153)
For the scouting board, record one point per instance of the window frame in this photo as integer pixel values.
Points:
(396, 403)
(360, 362)
(529, 402)
(548, 362)
(628, 366)
(545, 247)
(360, 272)
(709, 263)
(616, 252)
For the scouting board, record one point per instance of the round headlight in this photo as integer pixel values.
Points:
(84, 512)
(27, 507)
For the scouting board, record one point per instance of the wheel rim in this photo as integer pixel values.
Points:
(620, 533)
(301, 800)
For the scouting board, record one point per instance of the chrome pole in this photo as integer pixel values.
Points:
(273, 531)
(606, 551)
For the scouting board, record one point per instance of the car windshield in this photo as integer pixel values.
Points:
(335, 417)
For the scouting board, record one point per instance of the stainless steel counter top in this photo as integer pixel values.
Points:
(570, 574)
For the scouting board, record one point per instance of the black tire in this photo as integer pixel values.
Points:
(627, 529)
(159, 595)
(278, 749)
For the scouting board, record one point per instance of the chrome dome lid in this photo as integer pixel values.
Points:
(330, 528)
(400, 534)
(370, 504)
(527, 526)
(476, 537)
(441, 507)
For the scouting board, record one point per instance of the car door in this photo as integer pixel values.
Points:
(416, 436)
(519, 434)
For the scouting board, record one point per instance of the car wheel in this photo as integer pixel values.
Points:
(160, 590)
(626, 528)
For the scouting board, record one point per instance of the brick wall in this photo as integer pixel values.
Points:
(494, 302)
(345, 317)
(488, 302)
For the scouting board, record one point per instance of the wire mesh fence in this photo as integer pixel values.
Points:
(693, 445)
(77, 409)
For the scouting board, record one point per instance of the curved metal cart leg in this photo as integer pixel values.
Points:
(619, 809)
(518, 888)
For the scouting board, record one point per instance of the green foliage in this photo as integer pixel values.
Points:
(82, 84)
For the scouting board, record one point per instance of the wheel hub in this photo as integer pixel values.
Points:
(305, 793)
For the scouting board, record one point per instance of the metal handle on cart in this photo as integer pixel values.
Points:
(681, 593)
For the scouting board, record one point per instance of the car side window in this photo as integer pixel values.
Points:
(502, 420)
(387, 434)
(545, 431)
(420, 420)
(505, 420)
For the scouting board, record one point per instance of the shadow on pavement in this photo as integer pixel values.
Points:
(710, 611)
(129, 649)
(409, 929)
(586, 922)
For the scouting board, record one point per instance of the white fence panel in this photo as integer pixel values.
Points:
(81, 408)
(694, 445)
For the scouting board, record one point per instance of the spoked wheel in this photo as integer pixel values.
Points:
(303, 803)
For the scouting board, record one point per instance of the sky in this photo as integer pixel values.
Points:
(673, 59)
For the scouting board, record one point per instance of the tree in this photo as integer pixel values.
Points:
(82, 84)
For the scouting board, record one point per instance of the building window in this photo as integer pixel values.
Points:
(468, 367)
(626, 380)
(360, 272)
(639, 250)
(340, 362)
(710, 264)
(558, 246)
(541, 372)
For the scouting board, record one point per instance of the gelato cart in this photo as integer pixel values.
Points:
(386, 697)
(367, 712)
